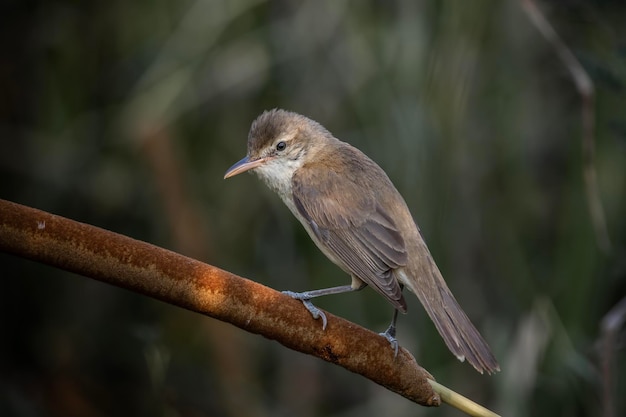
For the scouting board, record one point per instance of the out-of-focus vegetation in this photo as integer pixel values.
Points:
(125, 115)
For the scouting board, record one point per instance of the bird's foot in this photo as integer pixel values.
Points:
(390, 335)
(305, 297)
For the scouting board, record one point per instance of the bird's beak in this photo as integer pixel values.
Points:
(244, 165)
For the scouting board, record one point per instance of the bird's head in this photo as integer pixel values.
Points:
(279, 143)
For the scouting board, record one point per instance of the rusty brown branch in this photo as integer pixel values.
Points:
(184, 282)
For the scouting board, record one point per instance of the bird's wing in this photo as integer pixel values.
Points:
(357, 230)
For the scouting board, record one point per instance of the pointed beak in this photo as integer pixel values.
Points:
(244, 165)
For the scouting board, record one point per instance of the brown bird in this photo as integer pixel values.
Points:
(358, 219)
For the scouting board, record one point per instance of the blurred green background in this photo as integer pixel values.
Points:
(125, 115)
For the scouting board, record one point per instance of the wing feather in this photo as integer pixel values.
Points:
(362, 237)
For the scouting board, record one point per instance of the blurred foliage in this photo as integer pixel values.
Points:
(125, 115)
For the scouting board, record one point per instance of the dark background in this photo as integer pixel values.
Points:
(126, 114)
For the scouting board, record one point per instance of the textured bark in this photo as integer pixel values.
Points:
(185, 282)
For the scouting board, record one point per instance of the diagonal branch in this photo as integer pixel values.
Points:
(182, 281)
(185, 282)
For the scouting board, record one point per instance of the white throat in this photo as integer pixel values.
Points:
(277, 174)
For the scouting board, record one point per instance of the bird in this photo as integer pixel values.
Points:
(358, 219)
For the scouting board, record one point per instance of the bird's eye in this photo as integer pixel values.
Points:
(280, 146)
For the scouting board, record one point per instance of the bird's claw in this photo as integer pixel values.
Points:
(316, 312)
(390, 335)
(298, 295)
(306, 300)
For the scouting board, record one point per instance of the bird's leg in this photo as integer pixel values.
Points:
(306, 296)
(390, 333)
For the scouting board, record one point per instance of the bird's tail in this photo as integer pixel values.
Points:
(453, 325)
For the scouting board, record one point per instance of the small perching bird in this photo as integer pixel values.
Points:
(358, 219)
